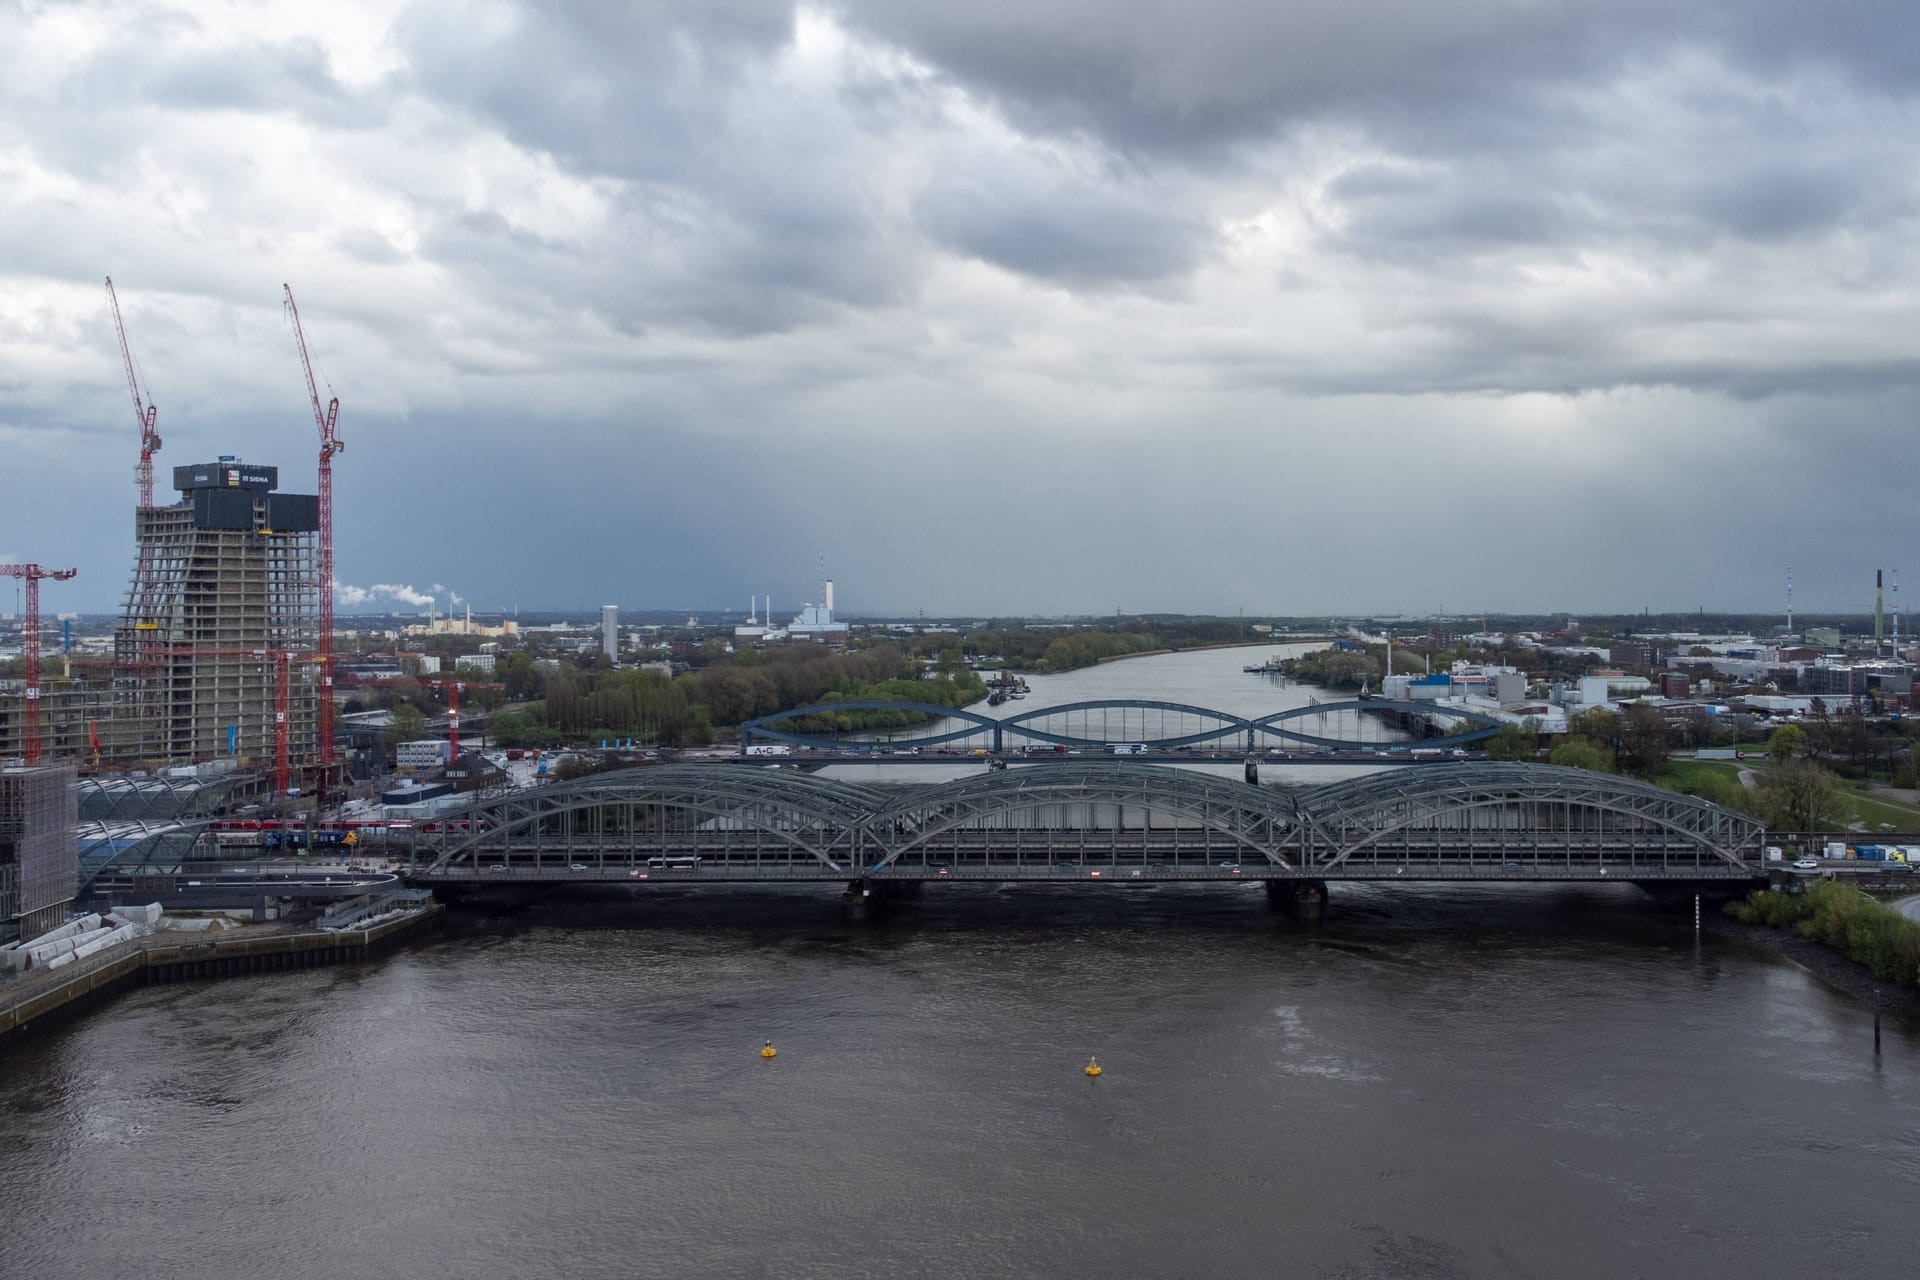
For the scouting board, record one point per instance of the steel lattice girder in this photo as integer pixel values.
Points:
(1345, 816)
(837, 810)
(1025, 724)
(1258, 819)
(848, 826)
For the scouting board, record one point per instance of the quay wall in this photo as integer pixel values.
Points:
(161, 959)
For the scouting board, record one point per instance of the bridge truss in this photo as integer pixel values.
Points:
(1153, 724)
(1107, 820)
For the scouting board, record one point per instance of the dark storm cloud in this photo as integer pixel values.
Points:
(1213, 72)
(1061, 228)
(712, 286)
(638, 91)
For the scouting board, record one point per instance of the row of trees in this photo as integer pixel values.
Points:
(1019, 649)
(1868, 932)
(686, 710)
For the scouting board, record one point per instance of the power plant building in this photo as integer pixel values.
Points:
(816, 622)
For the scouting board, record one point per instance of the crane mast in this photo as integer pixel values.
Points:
(330, 444)
(30, 643)
(144, 411)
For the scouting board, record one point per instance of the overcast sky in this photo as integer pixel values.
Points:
(1011, 305)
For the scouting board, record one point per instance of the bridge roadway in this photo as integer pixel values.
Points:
(1088, 822)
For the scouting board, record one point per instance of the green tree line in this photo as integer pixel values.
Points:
(1865, 931)
(686, 710)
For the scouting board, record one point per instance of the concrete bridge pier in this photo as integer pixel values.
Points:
(1300, 899)
(863, 902)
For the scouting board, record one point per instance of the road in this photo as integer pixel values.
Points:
(1909, 907)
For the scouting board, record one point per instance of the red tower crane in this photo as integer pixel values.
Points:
(330, 444)
(453, 686)
(144, 411)
(30, 643)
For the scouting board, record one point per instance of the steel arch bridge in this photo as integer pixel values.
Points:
(1193, 725)
(1082, 820)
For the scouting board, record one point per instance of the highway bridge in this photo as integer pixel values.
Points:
(1095, 823)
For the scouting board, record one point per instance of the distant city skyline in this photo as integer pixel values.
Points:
(1039, 308)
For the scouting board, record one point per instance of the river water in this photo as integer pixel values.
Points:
(1436, 1081)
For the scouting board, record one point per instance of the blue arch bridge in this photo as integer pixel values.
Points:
(1105, 823)
(1155, 726)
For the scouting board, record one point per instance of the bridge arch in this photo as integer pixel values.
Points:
(1344, 820)
(1026, 725)
(1270, 725)
(660, 810)
(1023, 723)
(1257, 821)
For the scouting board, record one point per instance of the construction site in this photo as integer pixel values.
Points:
(222, 654)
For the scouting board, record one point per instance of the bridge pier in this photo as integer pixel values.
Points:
(863, 902)
(1300, 899)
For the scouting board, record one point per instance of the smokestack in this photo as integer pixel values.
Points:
(828, 602)
(1789, 599)
(1879, 610)
(469, 619)
(1896, 613)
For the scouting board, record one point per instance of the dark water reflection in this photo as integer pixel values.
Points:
(1439, 1081)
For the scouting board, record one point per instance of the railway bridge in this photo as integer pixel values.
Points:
(1152, 724)
(1095, 823)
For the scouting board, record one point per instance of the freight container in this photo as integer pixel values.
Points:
(1835, 850)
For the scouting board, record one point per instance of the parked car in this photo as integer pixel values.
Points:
(1806, 864)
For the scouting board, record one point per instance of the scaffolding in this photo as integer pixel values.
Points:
(38, 863)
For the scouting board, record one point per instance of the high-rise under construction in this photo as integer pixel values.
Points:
(215, 649)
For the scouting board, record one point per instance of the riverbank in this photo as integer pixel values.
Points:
(31, 999)
(1822, 961)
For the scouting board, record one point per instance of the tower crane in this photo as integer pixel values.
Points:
(453, 685)
(144, 411)
(330, 444)
(30, 644)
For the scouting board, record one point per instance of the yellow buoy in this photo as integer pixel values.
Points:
(768, 1051)
(1093, 1067)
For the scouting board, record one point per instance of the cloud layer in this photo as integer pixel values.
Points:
(1005, 307)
